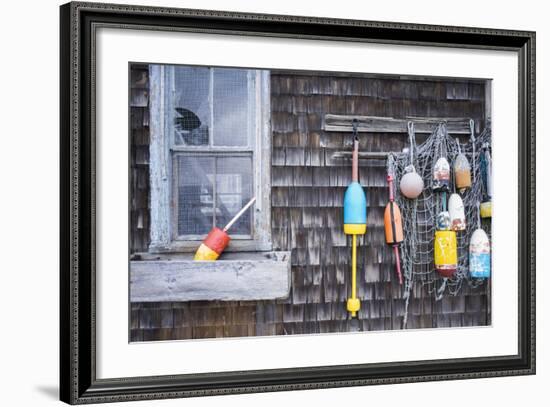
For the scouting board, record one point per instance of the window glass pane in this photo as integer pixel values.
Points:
(191, 105)
(195, 195)
(231, 107)
(233, 191)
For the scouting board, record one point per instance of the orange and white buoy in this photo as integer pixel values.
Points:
(462, 170)
(217, 239)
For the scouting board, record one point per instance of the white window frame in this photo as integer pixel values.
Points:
(163, 153)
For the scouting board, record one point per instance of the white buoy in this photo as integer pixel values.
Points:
(411, 184)
(480, 255)
(456, 212)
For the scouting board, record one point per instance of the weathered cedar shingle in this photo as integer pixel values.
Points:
(156, 334)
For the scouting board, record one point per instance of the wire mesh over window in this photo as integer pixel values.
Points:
(233, 191)
(212, 106)
(211, 190)
(192, 106)
(195, 195)
(231, 110)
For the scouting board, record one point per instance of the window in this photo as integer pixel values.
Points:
(209, 155)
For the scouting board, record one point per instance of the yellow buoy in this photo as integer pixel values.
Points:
(486, 209)
(445, 252)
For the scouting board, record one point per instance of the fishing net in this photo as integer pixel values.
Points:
(419, 215)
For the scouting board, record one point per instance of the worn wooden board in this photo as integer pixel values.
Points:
(373, 124)
(260, 277)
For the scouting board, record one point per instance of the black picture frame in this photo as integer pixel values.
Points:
(78, 382)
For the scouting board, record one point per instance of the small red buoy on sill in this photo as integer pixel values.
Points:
(217, 239)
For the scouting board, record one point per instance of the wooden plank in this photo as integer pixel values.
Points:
(374, 155)
(264, 276)
(159, 169)
(374, 124)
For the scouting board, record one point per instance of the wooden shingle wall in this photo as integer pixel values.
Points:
(307, 195)
(139, 158)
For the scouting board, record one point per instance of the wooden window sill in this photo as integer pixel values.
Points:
(239, 276)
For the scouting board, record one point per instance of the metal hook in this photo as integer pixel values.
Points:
(472, 135)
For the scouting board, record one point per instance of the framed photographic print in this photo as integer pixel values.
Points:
(246, 200)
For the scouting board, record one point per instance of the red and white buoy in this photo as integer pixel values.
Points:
(456, 212)
(217, 239)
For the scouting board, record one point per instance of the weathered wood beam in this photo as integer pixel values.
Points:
(260, 276)
(372, 155)
(374, 124)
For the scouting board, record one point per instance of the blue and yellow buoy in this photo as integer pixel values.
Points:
(480, 252)
(480, 255)
(355, 223)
